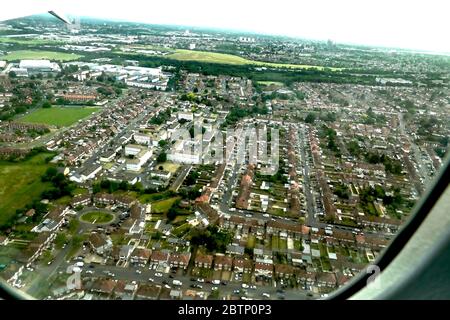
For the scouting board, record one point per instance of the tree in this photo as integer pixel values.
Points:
(124, 185)
(12, 74)
(49, 174)
(192, 178)
(171, 214)
(162, 157)
(162, 143)
(310, 118)
(46, 105)
(96, 188)
(60, 240)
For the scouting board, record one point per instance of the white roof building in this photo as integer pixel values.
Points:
(39, 66)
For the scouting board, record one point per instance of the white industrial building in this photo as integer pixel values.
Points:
(39, 66)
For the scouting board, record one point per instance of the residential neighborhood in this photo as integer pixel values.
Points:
(129, 174)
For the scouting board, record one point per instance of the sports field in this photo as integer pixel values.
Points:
(20, 184)
(214, 57)
(38, 54)
(58, 116)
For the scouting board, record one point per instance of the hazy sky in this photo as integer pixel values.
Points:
(416, 24)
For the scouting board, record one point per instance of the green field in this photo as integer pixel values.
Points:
(30, 41)
(20, 184)
(169, 166)
(270, 83)
(164, 205)
(38, 54)
(97, 217)
(214, 57)
(58, 116)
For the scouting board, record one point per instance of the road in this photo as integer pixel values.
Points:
(311, 216)
(44, 273)
(421, 166)
(184, 171)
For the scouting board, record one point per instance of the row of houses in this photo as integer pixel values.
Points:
(103, 199)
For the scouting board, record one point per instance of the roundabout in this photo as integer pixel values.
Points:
(97, 217)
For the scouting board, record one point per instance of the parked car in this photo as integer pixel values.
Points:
(177, 283)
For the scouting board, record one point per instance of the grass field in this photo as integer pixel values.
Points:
(164, 205)
(22, 40)
(270, 83)
(214, 57)
(20, 184)
(148, 198)
(38, 54)
(97, 217)
(58, 116)
(169, 166)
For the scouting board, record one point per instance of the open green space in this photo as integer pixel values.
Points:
(38, 54)
(275, 240)
(152, 197)
(29, 41)
(181, 230)
(222, 58)
(20, 184)
(282, 244)
(170, 166)
(58, 116)
(97, 217)
(164, 205)
(251, 241)
(270, 83)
